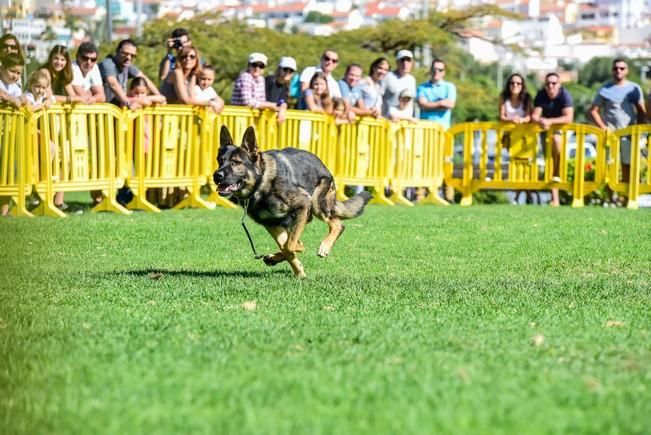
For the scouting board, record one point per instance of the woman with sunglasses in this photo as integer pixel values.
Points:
(515, 101)
(59, 68)
(10, 44)
(277, 84)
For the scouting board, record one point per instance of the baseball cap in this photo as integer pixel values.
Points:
(258, 57)
(406, 93)
(287, 62)
(404, 53)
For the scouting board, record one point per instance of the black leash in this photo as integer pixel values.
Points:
(246, 230)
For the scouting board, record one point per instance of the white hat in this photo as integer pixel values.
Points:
(404, 53)
(406, 93)
(287, 62)
(258, 57)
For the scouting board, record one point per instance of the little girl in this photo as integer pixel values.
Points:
(203, 90)
(38, 86)
(317, 98)
(339, 111)
(139, 93)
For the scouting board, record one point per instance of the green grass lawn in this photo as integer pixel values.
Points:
(488, 319)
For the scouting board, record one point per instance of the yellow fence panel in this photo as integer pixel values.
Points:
(637, 138)
(502, 156)
(15, 160)
(165, 146)
(419, 155)
(363, 157)
(75, 149)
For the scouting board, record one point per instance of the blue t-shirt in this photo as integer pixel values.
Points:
(553, 108)
(432, 92)
(350, 94)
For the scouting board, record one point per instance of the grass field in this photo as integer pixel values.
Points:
(488, 319)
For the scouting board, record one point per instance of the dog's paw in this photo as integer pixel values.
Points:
(271, 260)
(324, 250)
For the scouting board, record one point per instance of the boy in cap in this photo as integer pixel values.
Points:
(249, 88)
(397, 80)
(404, 111)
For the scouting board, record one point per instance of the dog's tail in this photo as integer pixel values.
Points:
(352, 207)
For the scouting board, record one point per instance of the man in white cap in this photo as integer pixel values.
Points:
(249, 88)
(329, 61)
(397, 80)
(437, 96)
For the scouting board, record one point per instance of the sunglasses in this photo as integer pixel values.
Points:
(189, 56)
(87, 58)
(438, 69)
(551, 83)
(131, 55)
(11, 46)
(257, 65)
(619, 68)
(329, 59)
(404, 59)
(288, 70)
(515, 83)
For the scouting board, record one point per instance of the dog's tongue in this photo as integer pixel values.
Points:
(228, 189)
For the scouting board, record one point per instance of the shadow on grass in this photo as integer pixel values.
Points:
(156, 274)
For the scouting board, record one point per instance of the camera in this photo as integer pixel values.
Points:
(177, 43)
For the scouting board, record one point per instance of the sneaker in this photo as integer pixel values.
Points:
(63, 206)
(556, 179)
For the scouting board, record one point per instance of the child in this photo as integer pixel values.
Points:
(11, 68)
(404, 110)
(203, 90)
(139, 93)
(339, 110)
(38, 86)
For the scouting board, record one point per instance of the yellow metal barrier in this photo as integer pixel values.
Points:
(15, 160)
(163, 145)
(419, 151)
(75, 150)
(363, 157)
(639, 178)
(487, 162)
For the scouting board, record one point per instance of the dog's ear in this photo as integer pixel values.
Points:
(225, 138)
(250, 144)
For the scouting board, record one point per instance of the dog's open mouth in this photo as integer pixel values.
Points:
(227, 189)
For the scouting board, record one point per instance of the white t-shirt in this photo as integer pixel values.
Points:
(40, 100)
(207, 94)
(333, 86)
(93, 78)
(13, 89)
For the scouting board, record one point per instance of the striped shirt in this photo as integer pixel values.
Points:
(248, 91)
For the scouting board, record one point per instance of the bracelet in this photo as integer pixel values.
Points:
(280, 102)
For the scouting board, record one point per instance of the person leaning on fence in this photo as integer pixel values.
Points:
(351, 92)
(59, 67)
(515, 107)
(249, 88)
(277, 84)
(11, 68)
(178, 86)
(317, 96)
(116, 71)
(204, 91)
(370, 103)
(397, 80)
(552, 106)
(86, 78)
(9, 44)
(618, 104)
(404, 111)
(38, 95)
(179, 39)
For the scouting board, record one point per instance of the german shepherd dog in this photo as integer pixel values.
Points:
(282, 190)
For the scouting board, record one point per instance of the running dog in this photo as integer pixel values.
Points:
(282, 190)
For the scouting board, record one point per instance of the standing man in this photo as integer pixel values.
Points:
(618, 104)
(117, 69)
(86, 78)
(553, 105)
(398, 80)
(180, 38)
(329, 60)
(437, 97)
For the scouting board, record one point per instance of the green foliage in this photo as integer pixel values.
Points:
(424, 319)
(318, 17)
(596, 72)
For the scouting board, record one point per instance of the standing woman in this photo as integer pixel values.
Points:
(371, 87)
(59, 68)
(515, 101)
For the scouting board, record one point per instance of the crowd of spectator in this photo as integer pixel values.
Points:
(384, 92)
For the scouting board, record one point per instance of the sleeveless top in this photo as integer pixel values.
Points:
(168, 90)
(511, 111)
